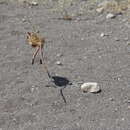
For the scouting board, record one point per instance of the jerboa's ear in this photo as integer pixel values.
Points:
(29, 33)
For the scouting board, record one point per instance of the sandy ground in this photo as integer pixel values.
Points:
(25, 101)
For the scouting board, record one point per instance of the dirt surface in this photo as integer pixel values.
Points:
(26, 103)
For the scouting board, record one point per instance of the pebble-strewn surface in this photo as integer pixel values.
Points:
(88, 48)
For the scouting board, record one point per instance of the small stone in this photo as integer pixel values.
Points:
(82, 39)
(123, 119)
(100, 10)
(23, 20)
(34, 3)
(116, 109)
(59, 55)
(91, 87)
(111, 99)
(124, 20)
(99, 57)
(110, 16)
(126, 38)
(128, 101)
(33, 88)
(117, 39)
(102, 35)
(58, 63)
(129, 107)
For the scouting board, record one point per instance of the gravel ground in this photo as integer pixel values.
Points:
(26, 103)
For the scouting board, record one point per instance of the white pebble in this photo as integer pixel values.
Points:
(126, 38)
(100, 10)
(23, 20)
(91, 87)
(110, 16)
(123, 119)
(82, 39)
(128, 101)
(59, 55)
(102, 35)
(117, 39)
(111, 99)
(32, 88)
(34, 3)
(58, 63)
(116, 109)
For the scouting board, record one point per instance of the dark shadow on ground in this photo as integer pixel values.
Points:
(60, 81)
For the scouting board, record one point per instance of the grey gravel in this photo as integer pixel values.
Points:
(95, 59)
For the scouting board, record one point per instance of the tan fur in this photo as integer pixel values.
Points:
(34, 40)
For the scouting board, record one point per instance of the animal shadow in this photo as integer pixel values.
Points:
(60, 81)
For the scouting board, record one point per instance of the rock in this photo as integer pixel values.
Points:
(128, 101)
(34, 3)
(111, 99)
(122, 119)
(32, 89)
(126, 39)
(91, 87)
(116, 109)
(129, 107)
(59, 55)
(58, 63)
(100, 10)
(23, 20)
(82, 39)
(110, 16)
(117, 39)
(102, 35)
